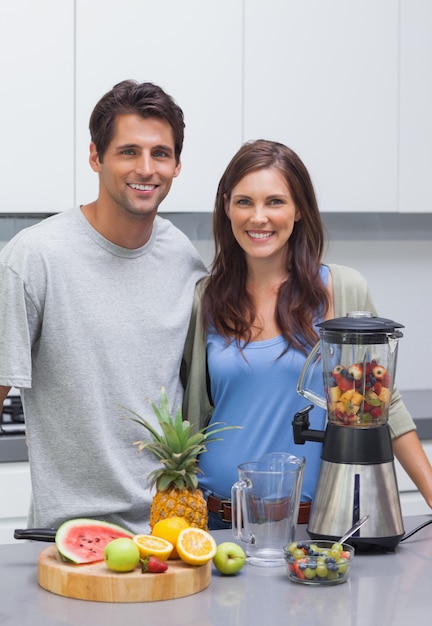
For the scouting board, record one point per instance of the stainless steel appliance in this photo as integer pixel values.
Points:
(357, 355)
(12, 431)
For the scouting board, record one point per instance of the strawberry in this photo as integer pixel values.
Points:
(375, 411)
(344, 382)
(385, 380)
(377, 387)
(337, 370)
(298, 569)
(379, 371)
(153, 565)
(356, 371)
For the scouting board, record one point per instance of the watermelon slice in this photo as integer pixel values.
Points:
(83, 540)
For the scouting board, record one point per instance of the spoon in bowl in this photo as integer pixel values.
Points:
(353, 529)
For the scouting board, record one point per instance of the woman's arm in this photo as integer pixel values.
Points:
(410, 454)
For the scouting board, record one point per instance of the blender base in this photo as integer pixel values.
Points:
(364, 544)
(345, 492)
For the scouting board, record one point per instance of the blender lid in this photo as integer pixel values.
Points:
(362, 322)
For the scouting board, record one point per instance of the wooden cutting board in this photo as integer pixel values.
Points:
(96, 582)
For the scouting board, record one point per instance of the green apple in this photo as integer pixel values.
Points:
(122, 555)
(229, 558)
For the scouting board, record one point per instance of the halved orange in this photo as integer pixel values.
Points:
(195, 546)
(153, 546)
(169, 529)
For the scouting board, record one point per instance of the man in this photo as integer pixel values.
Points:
(94, 309)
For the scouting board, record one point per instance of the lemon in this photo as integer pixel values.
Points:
(153, 546)
(196, 546)
(169, 529)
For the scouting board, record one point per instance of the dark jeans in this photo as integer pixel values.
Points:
(215, 523)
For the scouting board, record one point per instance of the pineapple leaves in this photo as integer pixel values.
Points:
(175, 446)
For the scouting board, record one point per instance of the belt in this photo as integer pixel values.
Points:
(222, 508)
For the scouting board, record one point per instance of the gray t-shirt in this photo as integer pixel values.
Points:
(88, 327)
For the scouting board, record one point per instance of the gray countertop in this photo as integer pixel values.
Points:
(389, 589)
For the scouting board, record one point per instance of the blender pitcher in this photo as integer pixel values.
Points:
(265, 502)
(357, 355)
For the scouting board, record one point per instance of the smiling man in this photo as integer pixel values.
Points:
(94, 309)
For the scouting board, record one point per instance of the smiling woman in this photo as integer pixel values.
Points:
(255, 319)
(262, 215)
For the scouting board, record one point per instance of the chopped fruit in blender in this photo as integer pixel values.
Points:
(347, 395)
(379, 371)
(385, 380)
(345, 382)
(357, 398)
(334, 393)
(377, 387)
(385, 395)
(375, 411)
(359, 394)
(372, 398)
(356, 371)
(337, 370)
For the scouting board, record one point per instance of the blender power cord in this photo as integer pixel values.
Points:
(413, 532)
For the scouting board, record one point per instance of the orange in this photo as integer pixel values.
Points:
(153, 546)
(169, 529)
(195, 546)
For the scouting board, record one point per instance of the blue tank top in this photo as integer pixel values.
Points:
(257, 391)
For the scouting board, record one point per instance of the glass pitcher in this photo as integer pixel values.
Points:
(358, 356)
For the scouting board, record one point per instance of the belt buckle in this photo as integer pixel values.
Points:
(221, 510)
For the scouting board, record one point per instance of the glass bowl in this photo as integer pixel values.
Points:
(318, 562)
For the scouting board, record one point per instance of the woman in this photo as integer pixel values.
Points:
(254, 323)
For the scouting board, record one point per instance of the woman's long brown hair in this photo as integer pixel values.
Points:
(227, 306)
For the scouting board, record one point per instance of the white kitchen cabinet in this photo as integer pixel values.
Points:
(415, 180)
(192, 49)
(37, 105)
(15, 490)
(322, 77)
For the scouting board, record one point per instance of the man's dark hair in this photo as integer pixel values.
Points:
(132, 98)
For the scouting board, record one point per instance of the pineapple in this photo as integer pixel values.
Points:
(177, 492)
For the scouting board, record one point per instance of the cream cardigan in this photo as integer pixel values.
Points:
(351, 293)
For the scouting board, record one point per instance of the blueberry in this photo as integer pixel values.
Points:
(312, 552)
(332, 567)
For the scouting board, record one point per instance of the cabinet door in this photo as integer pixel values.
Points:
(321, 76)
(416, 107)
(192, 49)
(37, 106)
(15, 489)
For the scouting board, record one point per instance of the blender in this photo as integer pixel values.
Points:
(357, 354)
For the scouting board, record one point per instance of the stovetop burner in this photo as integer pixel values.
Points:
(12, 417)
